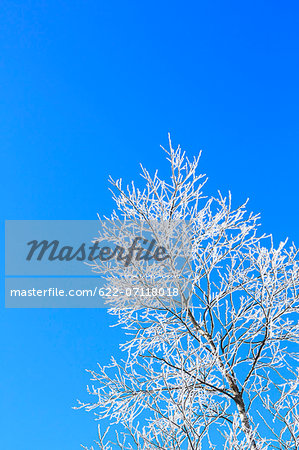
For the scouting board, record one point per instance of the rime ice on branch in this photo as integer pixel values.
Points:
(215, 367)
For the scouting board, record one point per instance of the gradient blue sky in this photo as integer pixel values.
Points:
(91, 88)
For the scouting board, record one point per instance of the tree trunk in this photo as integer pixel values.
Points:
(246, 427)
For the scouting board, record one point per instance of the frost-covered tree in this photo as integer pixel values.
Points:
(211, 360)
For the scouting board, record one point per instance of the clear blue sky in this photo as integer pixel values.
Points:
(91, 88)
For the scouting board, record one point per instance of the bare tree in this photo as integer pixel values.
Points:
(212, 355)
